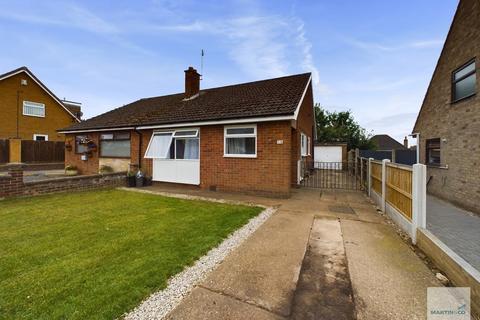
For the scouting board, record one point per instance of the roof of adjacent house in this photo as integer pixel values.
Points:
(265, 98)
(385, 142)
(44, 87)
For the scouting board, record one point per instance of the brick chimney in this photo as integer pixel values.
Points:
(405, 142)
(192, 83)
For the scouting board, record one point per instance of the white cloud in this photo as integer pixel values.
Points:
(419, 44)
(73, 16)
(263, 46)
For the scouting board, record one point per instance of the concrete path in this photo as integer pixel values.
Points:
(295, 265)
(457, 228)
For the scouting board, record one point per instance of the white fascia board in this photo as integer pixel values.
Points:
(297, 110)
(95, 130)
(206, 123)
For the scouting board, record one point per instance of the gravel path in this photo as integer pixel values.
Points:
(159, 304)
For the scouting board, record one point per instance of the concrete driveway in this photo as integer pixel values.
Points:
(326, 255)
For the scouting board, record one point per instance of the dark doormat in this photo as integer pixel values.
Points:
(341, 209)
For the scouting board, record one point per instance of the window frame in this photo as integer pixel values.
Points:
(304, 144)
(35, 135)
(34, 104)
(114, 134)
(76, 145)
(455, 81)
(309, 146)
(427, 153)
(173, 142)
(239, 135)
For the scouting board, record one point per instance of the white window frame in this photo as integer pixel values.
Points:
(303, 144)
(309, 146)
(172, 140)
(35, 135)
(245, 135)
(151, 140)
(35, 105)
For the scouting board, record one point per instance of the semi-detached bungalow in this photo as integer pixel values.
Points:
(247, 137)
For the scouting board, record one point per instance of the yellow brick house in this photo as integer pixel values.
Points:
(30, 111)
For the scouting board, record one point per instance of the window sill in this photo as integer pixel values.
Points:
(248, 156)
(108, 157)
(436, 166)
(32, 115)
(464, 98)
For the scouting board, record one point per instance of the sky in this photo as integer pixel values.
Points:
(373, 57)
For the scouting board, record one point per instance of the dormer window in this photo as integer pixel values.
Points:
(464, 82)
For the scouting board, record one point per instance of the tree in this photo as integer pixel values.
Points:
(341, 127)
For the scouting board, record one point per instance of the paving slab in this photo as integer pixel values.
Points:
(264, 270)
(389, 281)
(457, 228)
(202, 303)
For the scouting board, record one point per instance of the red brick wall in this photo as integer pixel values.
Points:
(89, 166)
(13, 185)
(305, 124)
(269, 173)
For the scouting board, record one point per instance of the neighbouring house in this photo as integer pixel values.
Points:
(384, 142)
(387, 147)
(448, 124)
(30, 111)
(247, 137)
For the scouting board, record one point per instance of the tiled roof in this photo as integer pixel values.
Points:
(385, 142)
(273, 97)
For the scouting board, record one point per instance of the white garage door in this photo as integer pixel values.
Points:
(328, 154)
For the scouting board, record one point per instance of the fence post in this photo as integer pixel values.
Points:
(361, 174)
(384, 182)
(299, 171)
(369, 184)
(15, 152)
(419, 199)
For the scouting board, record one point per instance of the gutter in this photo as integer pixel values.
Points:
(186, 124)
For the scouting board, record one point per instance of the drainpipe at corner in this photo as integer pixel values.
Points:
(139, 147)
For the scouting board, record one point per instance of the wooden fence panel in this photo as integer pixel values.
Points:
(399, 189)
(4, 151)
(376, 175)
(43, 151)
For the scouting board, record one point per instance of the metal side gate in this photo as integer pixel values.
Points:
(331, 175)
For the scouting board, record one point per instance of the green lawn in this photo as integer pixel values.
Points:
(96, 255)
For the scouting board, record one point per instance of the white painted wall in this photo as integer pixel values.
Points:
(176, 171)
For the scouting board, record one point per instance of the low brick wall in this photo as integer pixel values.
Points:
(12, 185)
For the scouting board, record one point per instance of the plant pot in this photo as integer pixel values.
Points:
(131, 181)
(139, 181)
(148, 181)
(71, 172)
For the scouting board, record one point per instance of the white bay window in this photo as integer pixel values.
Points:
(179, 145)
(175, 155)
